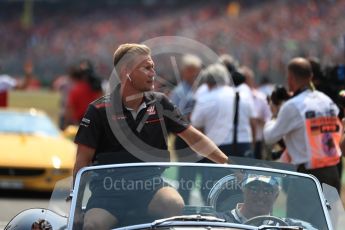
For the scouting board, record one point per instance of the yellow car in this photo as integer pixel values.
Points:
(33, 152)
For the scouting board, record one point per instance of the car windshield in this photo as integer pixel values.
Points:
(27, 123)
(230, 194)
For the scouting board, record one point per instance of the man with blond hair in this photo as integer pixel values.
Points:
(131, 125)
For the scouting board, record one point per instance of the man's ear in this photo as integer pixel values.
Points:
(123, 74)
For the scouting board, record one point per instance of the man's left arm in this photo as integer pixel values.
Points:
(203, 145)
(287, 120)
(193, 137)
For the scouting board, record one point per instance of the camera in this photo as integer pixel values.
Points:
(279, 95)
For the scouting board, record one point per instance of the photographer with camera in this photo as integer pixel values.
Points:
(309, 125)
(330, 80)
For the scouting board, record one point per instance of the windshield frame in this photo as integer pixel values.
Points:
(229, 166)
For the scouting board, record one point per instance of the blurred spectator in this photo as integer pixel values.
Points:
(214, 113)
(182, 96)
(321, 83)
(300, 121)
(33, 82)
(85, 88)
(243, 93)
(7, 83)
(62, 85)
(277, 98)
(266, 86)
(311, 130)
(262, 110)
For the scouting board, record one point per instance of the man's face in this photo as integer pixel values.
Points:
(189, 73)
(259, 197)
(142, 75)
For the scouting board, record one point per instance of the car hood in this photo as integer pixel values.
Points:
(36, 151)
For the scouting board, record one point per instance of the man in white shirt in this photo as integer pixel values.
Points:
(214, 113)
(311, 130)
(310, 127)
(261, 108)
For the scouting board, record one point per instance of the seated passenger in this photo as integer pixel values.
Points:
(259, 194)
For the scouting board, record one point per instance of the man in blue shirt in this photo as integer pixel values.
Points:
(183, 97)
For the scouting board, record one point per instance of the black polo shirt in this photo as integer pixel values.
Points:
(117, 137)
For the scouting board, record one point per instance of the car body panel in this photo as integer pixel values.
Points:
(33, 157)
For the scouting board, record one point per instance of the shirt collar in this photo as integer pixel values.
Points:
(238, 215)
(301, 90)
(142, 106)
(148, 99)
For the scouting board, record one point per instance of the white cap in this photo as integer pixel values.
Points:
(262, 178)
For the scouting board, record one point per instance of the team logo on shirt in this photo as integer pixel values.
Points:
(85, 122)
(151, 110)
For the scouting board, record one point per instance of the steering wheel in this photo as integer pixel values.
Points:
(259, 220)
(225, 194)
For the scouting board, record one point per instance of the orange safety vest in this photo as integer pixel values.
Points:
(323, 135)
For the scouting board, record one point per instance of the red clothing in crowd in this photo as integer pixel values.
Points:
(80, 96)
(6, 83)
(3, 99)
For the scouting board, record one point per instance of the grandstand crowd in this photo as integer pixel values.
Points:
(261, 34)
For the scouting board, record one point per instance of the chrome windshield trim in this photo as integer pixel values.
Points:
(191, 224)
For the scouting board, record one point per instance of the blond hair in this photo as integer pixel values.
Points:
(125, 53)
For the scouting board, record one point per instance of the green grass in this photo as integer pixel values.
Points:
(45, 100)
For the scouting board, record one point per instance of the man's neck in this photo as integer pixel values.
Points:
(302, 85)
(301, 88)
(246, 212)
(131, 98)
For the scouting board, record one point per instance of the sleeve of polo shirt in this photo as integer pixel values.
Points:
(174, 120)
(287, 120)
(89, 128)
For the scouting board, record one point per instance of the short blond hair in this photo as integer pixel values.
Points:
(128, 51)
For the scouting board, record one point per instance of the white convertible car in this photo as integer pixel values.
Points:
(214, 197)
